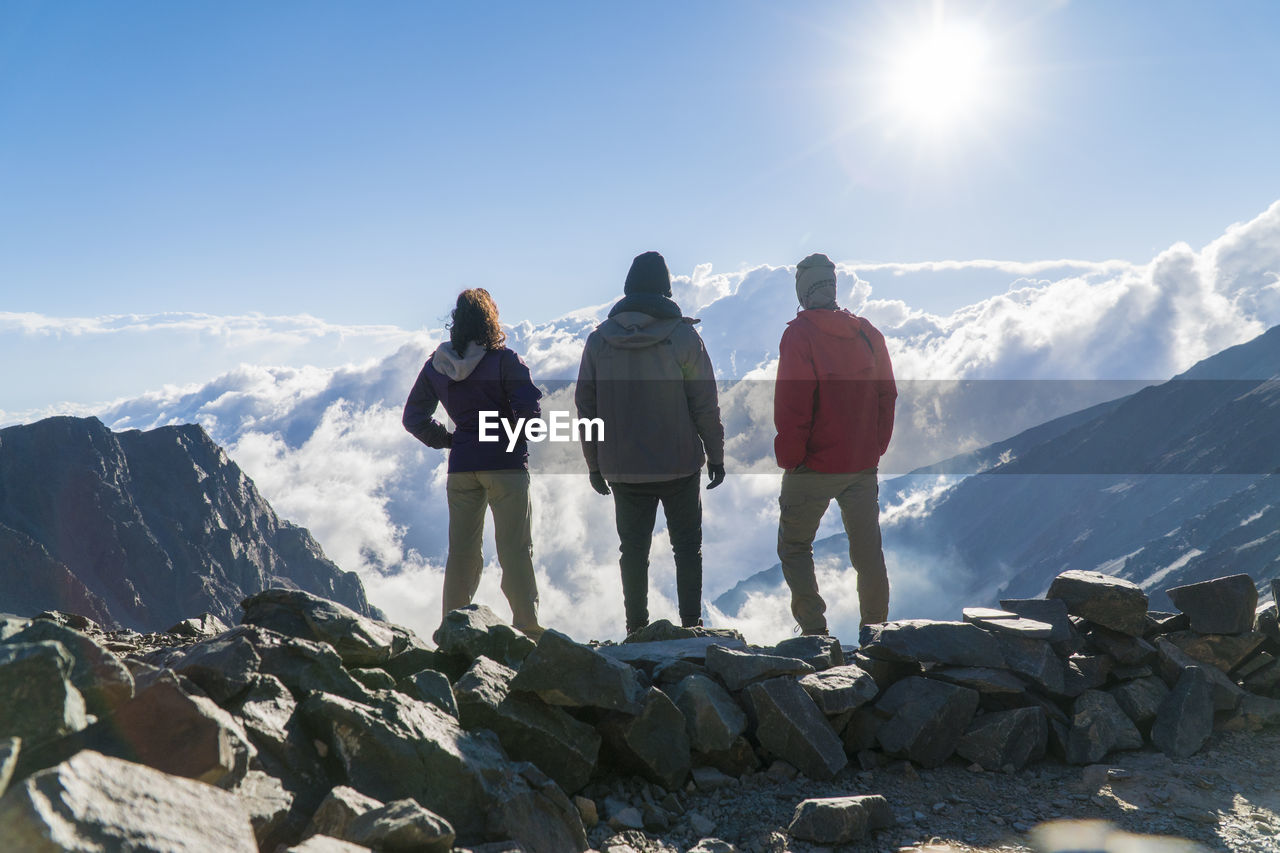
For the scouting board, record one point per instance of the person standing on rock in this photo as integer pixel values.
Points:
(833, 409)
(471, 373)
(646, 374)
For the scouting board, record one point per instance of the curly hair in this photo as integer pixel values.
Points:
(475, 319)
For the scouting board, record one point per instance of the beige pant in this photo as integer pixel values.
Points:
(506, 494)
(805, 497)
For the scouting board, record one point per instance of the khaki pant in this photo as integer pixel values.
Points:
(805, 497)
(506, 494)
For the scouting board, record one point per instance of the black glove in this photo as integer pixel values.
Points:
(438, 437)
(716, 472)
(598, 483)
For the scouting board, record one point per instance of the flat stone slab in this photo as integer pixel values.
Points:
(738, 669)
(651, 654)
(927, 640)
(1004, 622)
(981, 678)
(1051, 611)
(1108, 601)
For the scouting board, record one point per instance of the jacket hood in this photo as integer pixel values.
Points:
(635, 329)
(457, 367)
(838, 323)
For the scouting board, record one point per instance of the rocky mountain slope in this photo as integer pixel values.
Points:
(1172, 484)
(141, 529)
(310, 728)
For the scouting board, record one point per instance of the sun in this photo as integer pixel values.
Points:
(940, 77)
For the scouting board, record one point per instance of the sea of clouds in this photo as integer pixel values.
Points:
(324, 444)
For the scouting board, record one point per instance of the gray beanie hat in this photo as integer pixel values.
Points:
(816, 282)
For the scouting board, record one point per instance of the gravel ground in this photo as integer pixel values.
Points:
(1226, 797)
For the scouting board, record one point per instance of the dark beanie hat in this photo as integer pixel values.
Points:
(648, 274)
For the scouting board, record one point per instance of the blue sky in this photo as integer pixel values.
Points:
(361, 162)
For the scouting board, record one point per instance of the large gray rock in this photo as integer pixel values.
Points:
(94, 802)
(926, 640)
(1266, 621)
(1220, 606)
(1085, 672)
(738, 669)
(1225, 651)
(790, 725)
(301, 665)
(530, 729)
(475, 630)
(656, 654)
(222, 667)
(270, 806)
(1049, 611)
(980, 678)
(1102, 599)
(924, 719)
(101, 678)
(1035, 660)
(1098, 725)
(402, 827)
(1141, 698)
(653, 744)
(200, 627)
(340, 806)
(840, 820)
(1005, 738)
(267, 711)
(840, 689)
(38, 702)
(713, 720)
(1172, 660)
(1122, 648)
(1007, 622)
(1184, 720)
(563, 672)
(358, 640)
(430, 686)
(1254, 713)
(404, 748)
(818, 651)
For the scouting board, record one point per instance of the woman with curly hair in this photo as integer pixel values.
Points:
(475, 372)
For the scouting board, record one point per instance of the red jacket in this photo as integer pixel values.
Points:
(834, 397)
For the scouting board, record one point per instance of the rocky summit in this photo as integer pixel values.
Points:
(144, 529)
(311, 727)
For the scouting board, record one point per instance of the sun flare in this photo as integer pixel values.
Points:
(939, 77)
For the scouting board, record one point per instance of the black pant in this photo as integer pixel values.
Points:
(635, 507)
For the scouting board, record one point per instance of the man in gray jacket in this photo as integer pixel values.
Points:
(647, 376)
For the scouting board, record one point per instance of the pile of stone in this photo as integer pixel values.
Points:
(309, 727)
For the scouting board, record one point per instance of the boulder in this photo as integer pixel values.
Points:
(1266, 621)
(358, 640)
(1141, 698)
(740, 758)
(1172, 660)
(101, 678)
(1184, 720)
(1160, 623)
(840, 689)
(980, 678)
(94, 802)
(38, 702)
(1034, 659)
(1048, 611)
(713, 720)
(222, 667)
(924, 719)
(653, 655)
(1225, 651)
(1125, 650)
(1085, 672)
(301, 665)
(401, 827)
(1254, 713)
(1265, 679)
(529, 729)
(790, 726)
(404, 748)
(1223, 605)
(338, 809)
(738, 669)
(200, 627)
(1005, 738)
(267, 712)
(929, 641)
(566, 673)
(1102, 599)
(885, 672)
(270, 808)
(430, 686)
(475, 630)
(1098, 726)
(840, 820)
(1006, 622)
(653, 744)
(814, 649)
(373, 678)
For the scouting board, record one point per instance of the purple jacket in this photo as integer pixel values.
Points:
(480, 380)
